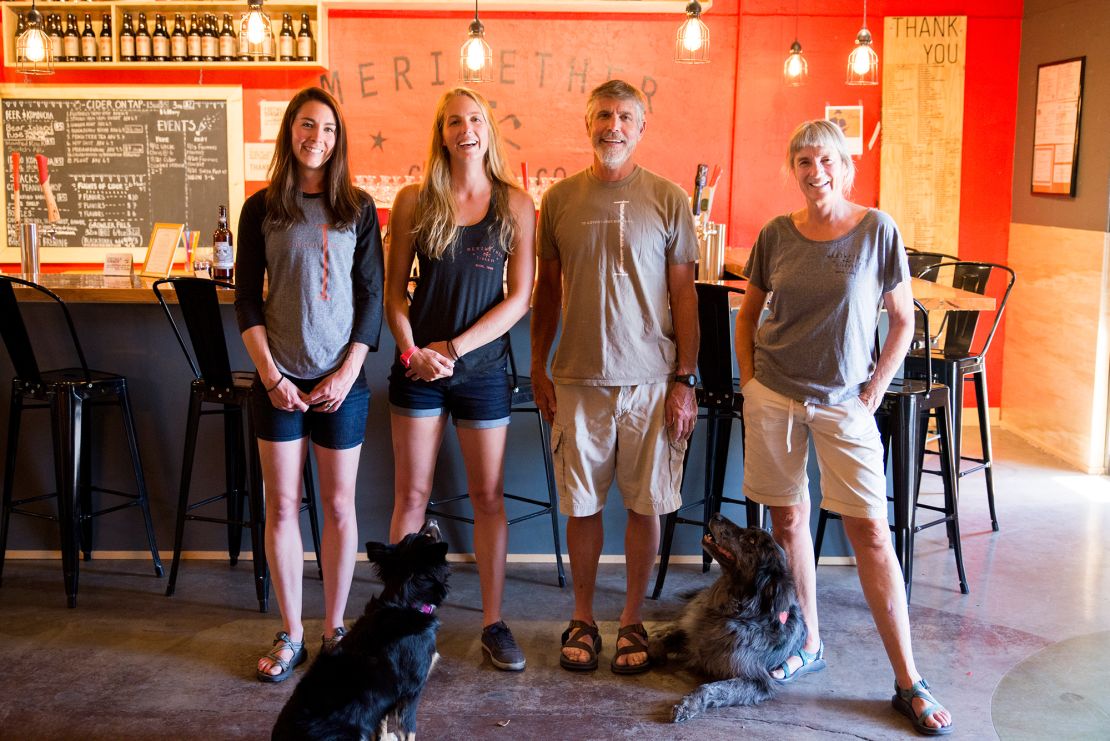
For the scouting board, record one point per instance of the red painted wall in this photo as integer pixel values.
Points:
(734, 111)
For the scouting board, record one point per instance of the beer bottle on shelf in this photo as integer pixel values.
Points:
(244, 48)
(223, 256)
(54, 32)
(269, 53)
(304, 40)
(127, 40)
(160, 42)
(104, 41)
(192, 40)
(286, 41)
(209, 46)
(88, 41)
(179, 42)
(144, 47)
(71, 42)
(229, 43)
(20, 28)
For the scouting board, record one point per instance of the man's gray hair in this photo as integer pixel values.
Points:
(616, 90)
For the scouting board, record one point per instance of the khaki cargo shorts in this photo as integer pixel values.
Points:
(606, 432)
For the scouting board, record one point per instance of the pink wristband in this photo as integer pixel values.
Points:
(406, 356)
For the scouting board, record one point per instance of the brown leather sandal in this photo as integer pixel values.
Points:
(585, 639)
(639, 637)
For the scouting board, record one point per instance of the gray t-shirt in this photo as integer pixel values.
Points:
(817, 342)
(614, 243)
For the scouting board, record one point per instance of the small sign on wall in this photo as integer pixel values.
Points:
(850, 120)
(1056, 134)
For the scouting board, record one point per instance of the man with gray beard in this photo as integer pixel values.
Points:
(617, 248)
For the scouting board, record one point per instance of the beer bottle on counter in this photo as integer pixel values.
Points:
(144, 47)
(179, 42)
(127, 40)
(104, 42)
(223, 256)
(54, 32)
(304, 40)
(71, 42)
(286, 41)
(209, 46)
(160, 42)
(88, 41)
(229, 43)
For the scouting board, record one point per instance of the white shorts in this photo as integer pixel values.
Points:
(602, 432)
(849, 453)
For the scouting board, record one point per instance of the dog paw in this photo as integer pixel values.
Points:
(683, 711)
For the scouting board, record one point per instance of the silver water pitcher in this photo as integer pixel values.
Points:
(29, 248)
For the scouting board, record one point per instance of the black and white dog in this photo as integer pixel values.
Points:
(741, 627)
(373, 679)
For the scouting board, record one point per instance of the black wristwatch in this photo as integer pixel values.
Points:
(686, 379)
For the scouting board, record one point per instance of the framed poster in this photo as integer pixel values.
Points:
(850, 120)
(1056, 132)
(159, 253)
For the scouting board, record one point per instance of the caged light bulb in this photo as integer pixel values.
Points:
(691, 37)
(475, 54)
(861, 63)
(35, 49)
(256, 28)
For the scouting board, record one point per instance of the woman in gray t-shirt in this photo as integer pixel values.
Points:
(808, 373)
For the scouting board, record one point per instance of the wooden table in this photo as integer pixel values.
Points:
(94, 288)
(933, 296)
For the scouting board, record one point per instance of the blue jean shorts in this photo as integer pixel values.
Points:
(340, 429)
(479, 402)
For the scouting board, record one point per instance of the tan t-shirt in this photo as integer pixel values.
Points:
(614, 242)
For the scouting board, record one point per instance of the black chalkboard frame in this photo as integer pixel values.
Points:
(231, 189)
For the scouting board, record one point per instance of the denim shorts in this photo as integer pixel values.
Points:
(340, 429)
(479, 402)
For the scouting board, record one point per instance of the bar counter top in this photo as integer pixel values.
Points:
(95, 288)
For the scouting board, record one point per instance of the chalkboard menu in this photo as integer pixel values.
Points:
(119, 161)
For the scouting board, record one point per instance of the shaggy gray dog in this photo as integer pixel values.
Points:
(741, 627)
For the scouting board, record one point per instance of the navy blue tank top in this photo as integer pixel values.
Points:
(457, 289)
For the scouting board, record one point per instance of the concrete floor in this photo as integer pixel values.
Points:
(1017, 658)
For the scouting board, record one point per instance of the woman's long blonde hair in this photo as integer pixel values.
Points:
(436, 216)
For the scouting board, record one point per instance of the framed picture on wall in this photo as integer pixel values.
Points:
(1056, 130)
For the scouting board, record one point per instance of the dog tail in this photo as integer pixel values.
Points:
(722, 694)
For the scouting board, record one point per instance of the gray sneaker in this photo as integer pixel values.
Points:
(498, 643)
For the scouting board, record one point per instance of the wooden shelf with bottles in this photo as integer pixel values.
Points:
(316, 11)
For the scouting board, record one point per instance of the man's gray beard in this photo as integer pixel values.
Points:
(611, 161)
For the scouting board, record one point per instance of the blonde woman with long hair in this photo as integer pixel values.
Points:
(471, 228)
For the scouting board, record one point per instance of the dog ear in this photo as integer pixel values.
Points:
(377, 552)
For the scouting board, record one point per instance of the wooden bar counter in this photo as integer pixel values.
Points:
(92, 288)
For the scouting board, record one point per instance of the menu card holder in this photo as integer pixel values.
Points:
(159, 253)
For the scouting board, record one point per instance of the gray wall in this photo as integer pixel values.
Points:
(1054, 30)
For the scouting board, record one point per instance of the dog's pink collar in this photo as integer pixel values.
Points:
(426, 608)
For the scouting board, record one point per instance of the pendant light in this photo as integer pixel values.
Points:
(863, 62)
(475, 57)
(255, 28)
(33, 47)
(691, 45)
(795, 70)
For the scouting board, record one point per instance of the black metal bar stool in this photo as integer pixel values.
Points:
(229, 392)
(722, 403)
(523, 402)
(70, 394)
(902, 418)
(960, 360)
